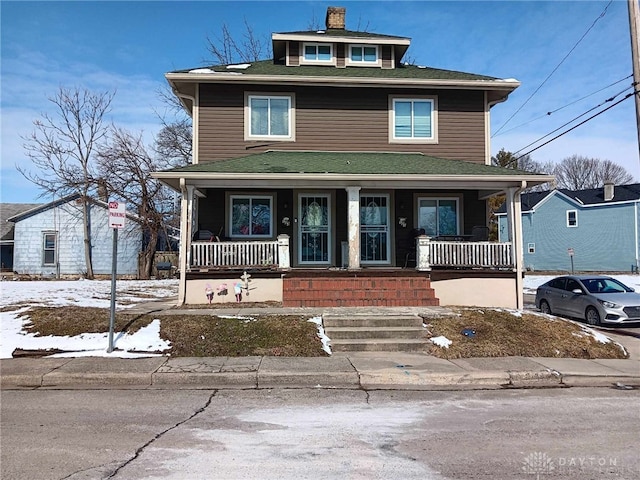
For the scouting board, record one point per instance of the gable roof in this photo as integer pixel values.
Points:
(7, 211)
(323, 167)
(588, 197)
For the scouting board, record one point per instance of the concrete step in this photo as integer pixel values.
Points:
(371, 320)
(335, 333)
(378, 345)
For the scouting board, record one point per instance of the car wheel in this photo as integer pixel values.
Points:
(544, 307)
(592, 316)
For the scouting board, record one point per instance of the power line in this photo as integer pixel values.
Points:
(629, 95)
(610, 99)
(549, 113)
(556, 68)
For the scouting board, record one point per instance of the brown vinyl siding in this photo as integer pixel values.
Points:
(294, 53)
(387, 58)
(340, 55)
(343, 119)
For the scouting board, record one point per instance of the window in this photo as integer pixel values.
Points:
(269, 116)
(572, 218)
(363, 54)
(317, 52)
(531, 248)
(49, 241)
(251, 216)
(412, 120)
(438, 216)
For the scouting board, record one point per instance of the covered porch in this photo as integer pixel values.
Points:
(298, 226)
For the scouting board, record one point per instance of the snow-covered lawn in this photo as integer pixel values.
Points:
(82, 293)
(97, 293)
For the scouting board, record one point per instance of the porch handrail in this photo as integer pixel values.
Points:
(464, 254)
(235, 254)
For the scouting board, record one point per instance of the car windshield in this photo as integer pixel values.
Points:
(605, 285)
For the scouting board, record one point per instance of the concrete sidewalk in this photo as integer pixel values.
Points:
(352, 371)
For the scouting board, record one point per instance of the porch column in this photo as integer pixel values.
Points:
(353, 222)
(514, 216)
(422, 254)
(186, 214)
(284, 261)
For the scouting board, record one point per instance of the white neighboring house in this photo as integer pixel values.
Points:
(49, 240)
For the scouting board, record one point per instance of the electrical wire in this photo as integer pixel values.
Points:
(551, 112)
(556, 68)
(629, 95)
(610, 99)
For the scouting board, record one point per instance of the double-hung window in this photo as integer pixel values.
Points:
(269, 117)
(413, 120)
(49, 241)
(317, 53)
(251, 216)
(572, 218)
(363, 55)
(438, 216)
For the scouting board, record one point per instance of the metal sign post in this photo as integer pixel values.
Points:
(117, 215)
(570, 252)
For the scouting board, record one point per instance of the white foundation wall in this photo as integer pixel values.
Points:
(477, 292)
(260, 290)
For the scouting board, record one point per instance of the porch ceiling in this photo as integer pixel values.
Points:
(280, 169)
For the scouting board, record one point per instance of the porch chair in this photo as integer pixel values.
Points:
(480, 233)
(411, 247)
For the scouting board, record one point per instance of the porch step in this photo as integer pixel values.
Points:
(374, 332)
(378, 345)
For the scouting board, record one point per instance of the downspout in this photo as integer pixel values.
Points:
(518, 244)
(186, 199)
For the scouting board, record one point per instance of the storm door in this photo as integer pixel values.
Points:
(314, 213)
(374, 229)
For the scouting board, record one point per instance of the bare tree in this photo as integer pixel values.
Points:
(62, 147)
(579, 173)
(227, 49)
(174, 143)
(125, 165)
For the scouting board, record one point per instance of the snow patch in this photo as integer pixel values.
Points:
(326, 341)
(441, 341)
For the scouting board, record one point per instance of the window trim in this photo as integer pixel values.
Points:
(306, 61)
(251, 196)
(362, 63)
(458, 201)
(54, 249)
(290, 96)
(575, 224)
(433, 99)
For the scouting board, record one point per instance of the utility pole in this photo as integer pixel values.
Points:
(634, 26)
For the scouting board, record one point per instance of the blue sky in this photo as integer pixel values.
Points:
(129, 46)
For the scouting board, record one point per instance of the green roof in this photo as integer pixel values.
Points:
(268, 67)
(346, 163)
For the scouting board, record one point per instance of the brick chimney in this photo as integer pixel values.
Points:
(609, 191)
(335, 17)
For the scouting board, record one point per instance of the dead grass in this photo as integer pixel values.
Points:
(500, 333)
(497, 333)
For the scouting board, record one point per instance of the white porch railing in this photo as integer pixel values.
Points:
(463, 254)
(273, 253)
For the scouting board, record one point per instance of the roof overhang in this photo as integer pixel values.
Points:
(327, 37)
(488, 184)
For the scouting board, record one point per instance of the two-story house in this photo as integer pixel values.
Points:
(335, 174)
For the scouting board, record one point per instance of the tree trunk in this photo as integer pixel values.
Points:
(87, 238)
(148, 254)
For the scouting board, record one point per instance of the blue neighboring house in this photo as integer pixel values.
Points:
(597, 228)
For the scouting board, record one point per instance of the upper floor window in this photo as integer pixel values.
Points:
(269, 116)
(572, 218)
(363, 55)
(413, 120)
(317, 52)
(251, 216)
(49, 241)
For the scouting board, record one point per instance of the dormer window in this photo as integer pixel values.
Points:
(317, 53)
(363, 55)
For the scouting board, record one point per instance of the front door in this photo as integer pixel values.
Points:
(314, 213)
(374, 229)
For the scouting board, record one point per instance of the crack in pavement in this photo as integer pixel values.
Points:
(161, 434)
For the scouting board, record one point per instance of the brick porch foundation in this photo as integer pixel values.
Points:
(357, 290)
